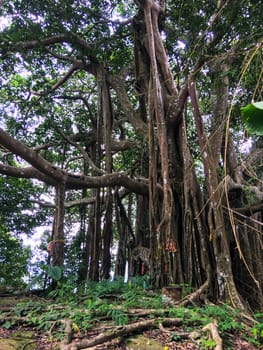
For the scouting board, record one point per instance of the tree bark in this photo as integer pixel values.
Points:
(218, 233)
(122, 331)
(212, 328)
(58, 227)
(105, 109)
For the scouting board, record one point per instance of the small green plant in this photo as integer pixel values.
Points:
(206, 344)
(118, 316)
(85, 304)
(83, 320)
(197, 317)
(225, 316)
(139, 281)
(8, 324)
(256, 335)
(177, 312)
(176, 337)
(64, 291)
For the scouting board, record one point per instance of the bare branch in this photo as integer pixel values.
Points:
(26, 173)
(75, 66)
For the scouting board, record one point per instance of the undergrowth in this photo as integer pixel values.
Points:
(111, 302)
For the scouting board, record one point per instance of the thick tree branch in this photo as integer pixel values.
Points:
(55, 39)
(117, 83)
(81, 201)
(31, 44)
(73, 181)
(26, 173)
(75, 66)
(70, 38)
(70, 204)
(116, 145)
(177, 106)
(46, 172)
(160, 52)
(247, 211)
(31, 157)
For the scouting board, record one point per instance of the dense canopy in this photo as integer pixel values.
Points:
(120, 126)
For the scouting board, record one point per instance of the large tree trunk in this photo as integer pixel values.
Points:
(188, 230)
(58, 227)
(218, 232)
(105, 110)
(83, 242)
(169, 231)
(94, 232)
(126, 236)
(160, 83)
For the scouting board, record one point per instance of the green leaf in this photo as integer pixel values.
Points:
(252, 117)
(8, 325)
(55, 272)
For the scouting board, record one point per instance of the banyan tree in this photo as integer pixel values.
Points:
(128, 114)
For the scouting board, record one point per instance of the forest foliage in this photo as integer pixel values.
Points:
(114, 312)
(131, 140)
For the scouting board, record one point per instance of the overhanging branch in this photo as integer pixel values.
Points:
(46, 172)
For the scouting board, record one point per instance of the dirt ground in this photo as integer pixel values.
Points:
(20, 337)
(43, 341)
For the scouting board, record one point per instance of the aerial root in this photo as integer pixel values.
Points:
(117, 332)
(196, 295)
(212, 328)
